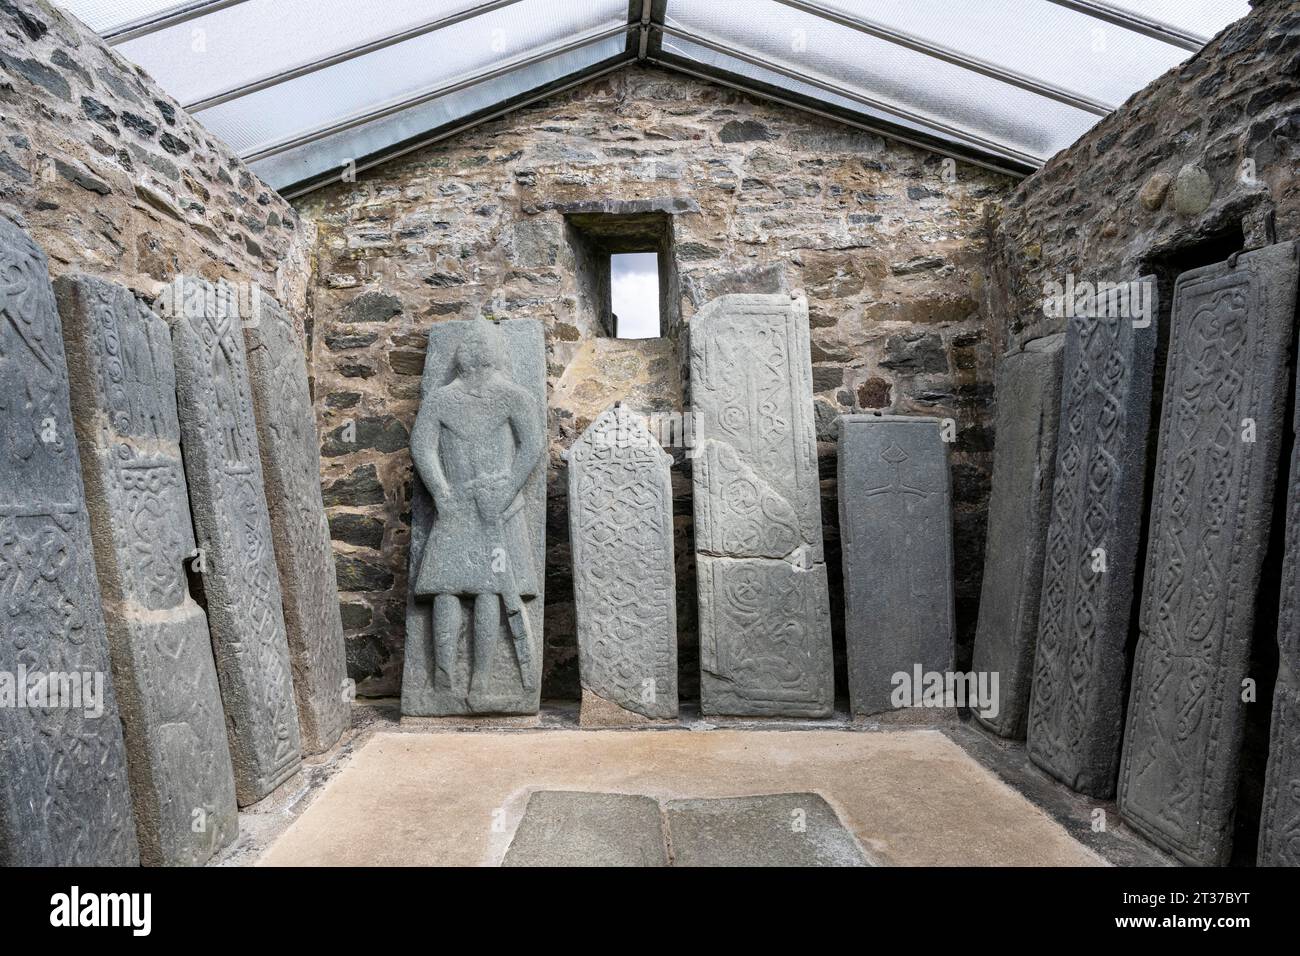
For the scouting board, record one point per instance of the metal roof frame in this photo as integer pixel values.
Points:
(645, 28)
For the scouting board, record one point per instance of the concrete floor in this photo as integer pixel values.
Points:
(443, 797)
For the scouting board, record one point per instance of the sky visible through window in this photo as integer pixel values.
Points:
(634, 294)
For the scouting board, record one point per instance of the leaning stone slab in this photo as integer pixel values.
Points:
(1028, 399)
(621, 527)
(780, 829)
(1279, 828)
(1220, 436)
(896, 533)
(124, 390)
(478, 523)
(290, 447)
(575, 828)
(64, 798)
(241, 583)
(765, 646)
(1090, 568)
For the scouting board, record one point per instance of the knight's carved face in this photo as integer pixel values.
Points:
(480, 349)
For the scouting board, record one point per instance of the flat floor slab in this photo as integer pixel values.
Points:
(908, 797)
(777, 829)
(574, 828)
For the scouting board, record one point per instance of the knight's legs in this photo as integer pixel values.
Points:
(487, 627)
(446, 637)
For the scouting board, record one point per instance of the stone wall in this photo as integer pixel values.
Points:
(1198, 164)
(751, 197)
(111, 177)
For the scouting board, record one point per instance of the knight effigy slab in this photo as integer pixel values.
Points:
(1028, 395)
(478, 523)
(896, 534)
(236, 560)
(1076, 717)
(64, 796)
(621, 531)
(124, 391)
(764, 619)
(290, 448)
(1279, 826)
(1221, 431)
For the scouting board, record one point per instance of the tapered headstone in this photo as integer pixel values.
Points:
(124, 392)
(621, 529)
(1090, 569)
(478, 523)
(765, 644)
(290, 448)
(1220, 436)
(237, 567)
(1028, 396)
(896, 534)
(1279, 828)
(64, 798)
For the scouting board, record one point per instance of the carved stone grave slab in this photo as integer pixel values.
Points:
(1090, 569)
(478, 524)
(896, 533)
(621, 529)
(64, 798)
(238, 571)
(1028, 398)
(290, 447)
(765, 645)
(124, 392)
(1279, 827)
(1220, 436)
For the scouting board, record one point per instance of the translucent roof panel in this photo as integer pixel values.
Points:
(299, 87)
(391, 76)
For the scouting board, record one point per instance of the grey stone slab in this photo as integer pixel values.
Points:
(124, 392)
(1090, 568)
(784, 829)
(575, 828)
(241, 582)
(1028, 396)
(290, 449)
(64, 797)
(1210, 518)
(475, 599)
(896, 532)
(1279, 828)
(765, 646)
(624, 588)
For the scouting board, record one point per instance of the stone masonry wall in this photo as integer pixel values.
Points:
(1200, 162)
(111, 177)
(757, 197)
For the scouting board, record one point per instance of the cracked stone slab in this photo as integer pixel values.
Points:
(784, 829)
(241, 581)
(1077, 710)
(765, 647)
(576, 828)
(1211, 511)
(64, 797)
(124, 392)
(1028, 397)
(624, 588)
(290, 449)
(896, 530)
